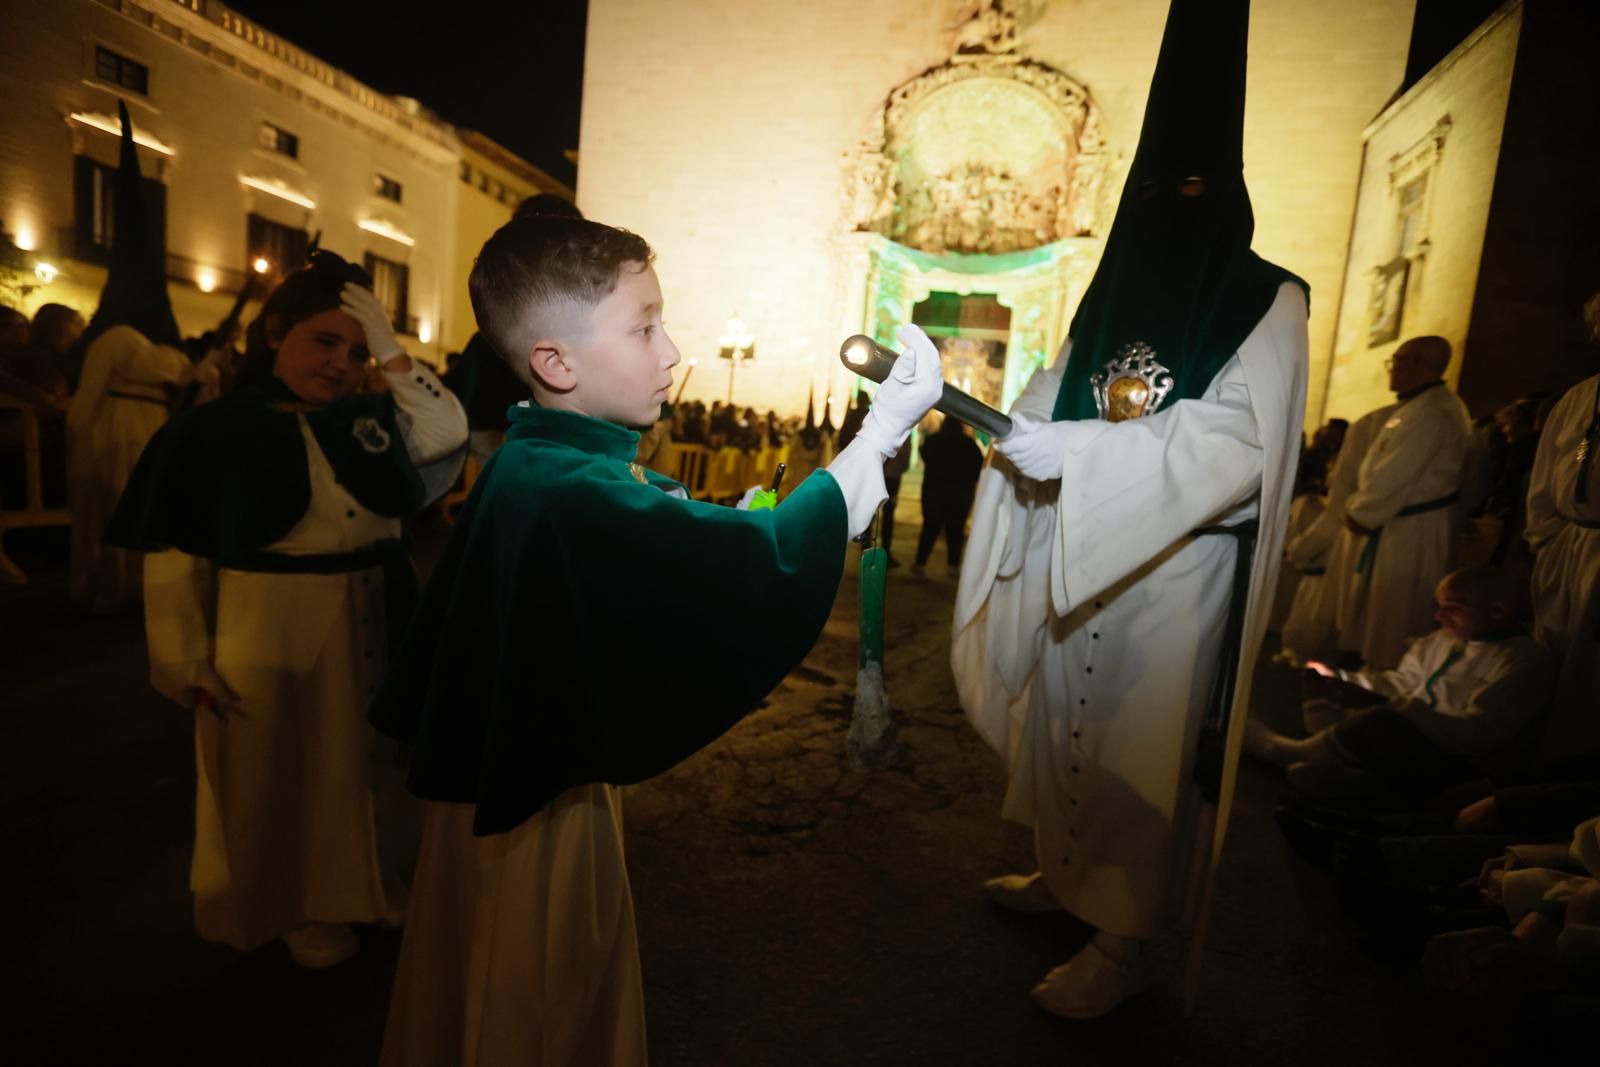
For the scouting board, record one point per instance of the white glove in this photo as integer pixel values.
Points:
(1038, 449)
(362, 306)
(904, 400)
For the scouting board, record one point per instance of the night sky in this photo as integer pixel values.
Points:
(512, 69)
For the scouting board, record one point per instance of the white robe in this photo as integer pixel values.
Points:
(300, 809)
(120, 404)
(1312, 625)
(1304, 512)
(520, 947)
(1566, 571)
(1416, 457)
(1088, 624)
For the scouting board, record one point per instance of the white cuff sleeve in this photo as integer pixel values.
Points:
(859, 472)
(433, 422)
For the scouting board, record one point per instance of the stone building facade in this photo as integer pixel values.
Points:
(826, 169)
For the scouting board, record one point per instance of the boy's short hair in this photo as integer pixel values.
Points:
(538, 268)
(547, 204)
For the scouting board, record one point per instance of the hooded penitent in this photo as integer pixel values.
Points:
(1177, 282)
(136, 280)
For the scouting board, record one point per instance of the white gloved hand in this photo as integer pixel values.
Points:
(1038, 449)
(913, 387)
(360, 304)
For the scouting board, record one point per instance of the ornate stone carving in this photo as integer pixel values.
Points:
(990, 29)
(989, 153)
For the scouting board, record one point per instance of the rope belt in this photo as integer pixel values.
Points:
(400, 589)
(1369, 551)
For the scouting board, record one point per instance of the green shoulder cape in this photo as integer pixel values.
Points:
(585, 626)
(228, 478)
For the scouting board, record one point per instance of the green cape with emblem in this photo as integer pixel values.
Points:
(229, 478)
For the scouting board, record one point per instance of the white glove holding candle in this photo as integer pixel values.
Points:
(902, 401)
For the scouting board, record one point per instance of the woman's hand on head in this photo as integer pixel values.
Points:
(360, 304)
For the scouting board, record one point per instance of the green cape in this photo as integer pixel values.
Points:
(228, 478)
(584, 626)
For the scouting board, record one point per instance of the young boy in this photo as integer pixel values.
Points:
(520, 942)
(1463, 701)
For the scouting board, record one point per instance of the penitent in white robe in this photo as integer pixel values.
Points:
(1089, 624)
(1415, 458)
(301, 814)
(120, 404)
(1565, 536)
(1312, 626)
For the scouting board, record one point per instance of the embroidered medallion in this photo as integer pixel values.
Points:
(1132, 384)
(371, 435)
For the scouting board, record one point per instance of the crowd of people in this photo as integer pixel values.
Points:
(1442, 587)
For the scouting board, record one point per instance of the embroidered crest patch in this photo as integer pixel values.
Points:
(371, 435)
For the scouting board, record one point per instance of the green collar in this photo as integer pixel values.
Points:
(583, 432)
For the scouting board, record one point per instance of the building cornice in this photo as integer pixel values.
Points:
(213, 32)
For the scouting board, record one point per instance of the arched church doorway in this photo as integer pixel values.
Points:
(981, 180)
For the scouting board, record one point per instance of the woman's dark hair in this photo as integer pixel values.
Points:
(311, 290)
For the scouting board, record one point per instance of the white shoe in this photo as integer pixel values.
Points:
(1091, 984)
(319, 945)
(1026, 893)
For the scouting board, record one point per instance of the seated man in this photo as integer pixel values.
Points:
(1463, 702)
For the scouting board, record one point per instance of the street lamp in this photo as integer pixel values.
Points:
(737, 343)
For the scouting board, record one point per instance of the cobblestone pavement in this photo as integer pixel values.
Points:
(791, 911)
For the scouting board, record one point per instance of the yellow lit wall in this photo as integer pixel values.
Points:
(717, 129)
(1470, 88)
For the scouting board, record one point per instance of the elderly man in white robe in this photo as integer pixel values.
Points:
(1111, 607)
(1402, 517)
(1564, 531)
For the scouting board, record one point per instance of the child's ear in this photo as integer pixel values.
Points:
(552, 365)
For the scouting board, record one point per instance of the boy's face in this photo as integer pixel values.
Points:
(1460, 616)
(623, 366)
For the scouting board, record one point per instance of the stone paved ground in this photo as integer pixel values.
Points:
(791, 911)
